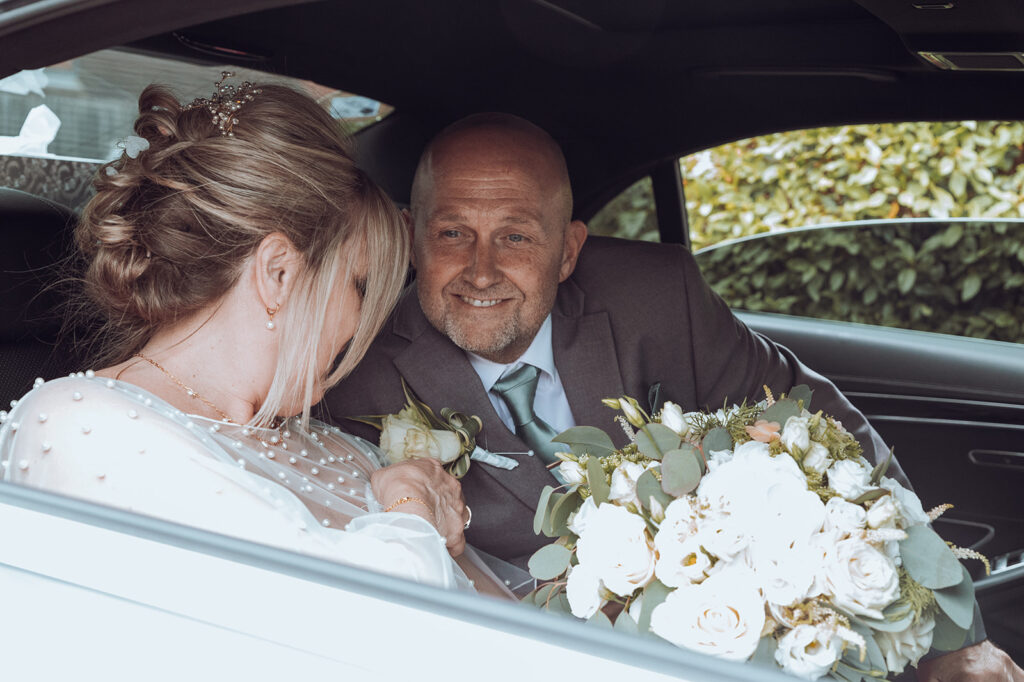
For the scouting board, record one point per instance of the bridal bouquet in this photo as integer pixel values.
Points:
(757, 532)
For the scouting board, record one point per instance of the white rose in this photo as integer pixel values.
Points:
(907, 502)
(808, 652)
(616, 546)
(844, 516)
(402, 439)
(578, 519)
(908, 646)
(672, 417)
(723, 616)
(623, 488)
(723, 537)
(785, 573)
(883, 513)
(850, 478)
(681, 563)
(571, 472)
(795, 436)
(583, 590)
(861, 579)
(817, 458)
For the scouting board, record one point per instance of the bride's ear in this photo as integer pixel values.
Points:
(277, 263)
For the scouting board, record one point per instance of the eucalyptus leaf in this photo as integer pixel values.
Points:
(600, 620)
(560, 513)
(647, 486)
(681, 470)
(764, 654)
(715, 440)
(543, 508)
(928, 558)
(781, 411)
(897, 624)
(875, 658)
(654, 440)
(546, 525)
(869, 495)
(947, 635)
(801, 393)
(542, 595)
(549, 562)
(586, 439)
(654, 594)
(599, 488)
(957, 601)
(624, 623)
(880, 469)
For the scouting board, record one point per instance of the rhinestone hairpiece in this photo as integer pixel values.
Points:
(225, 103)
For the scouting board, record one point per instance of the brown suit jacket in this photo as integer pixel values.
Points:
(632, 314)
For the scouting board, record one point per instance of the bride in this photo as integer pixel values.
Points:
(233, 251)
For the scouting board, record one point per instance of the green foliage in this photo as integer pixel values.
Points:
(966, 279)
(773, 183)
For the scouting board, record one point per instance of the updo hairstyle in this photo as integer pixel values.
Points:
(169, 231)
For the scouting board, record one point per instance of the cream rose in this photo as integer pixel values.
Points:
(672, 416)
(850, 478)
(402, 439)
(571, 472)
(907, 501)
(681, 563)
(583, 590)
(883, 513)
(795, 436)
(817, 458)
(723, 616)
(578, 520)
(807, 651)
(844, 516)
(908, 646)
(623, 488)
(860, 578)
(615, 546)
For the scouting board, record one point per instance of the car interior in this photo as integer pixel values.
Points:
(626, 89)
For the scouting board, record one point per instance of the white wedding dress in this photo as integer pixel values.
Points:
(113, 443)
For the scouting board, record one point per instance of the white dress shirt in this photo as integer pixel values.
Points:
(550, 404)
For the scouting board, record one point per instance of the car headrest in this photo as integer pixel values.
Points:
(36, 234)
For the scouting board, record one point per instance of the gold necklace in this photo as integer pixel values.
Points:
(185, 388)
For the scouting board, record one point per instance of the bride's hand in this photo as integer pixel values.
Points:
(424, 480)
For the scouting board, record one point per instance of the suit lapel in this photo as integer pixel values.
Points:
(588, 366)
(439, 374)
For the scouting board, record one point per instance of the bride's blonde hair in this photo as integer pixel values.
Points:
(168, 231)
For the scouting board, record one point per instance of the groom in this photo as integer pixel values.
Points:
(511, 296)
(504, 276)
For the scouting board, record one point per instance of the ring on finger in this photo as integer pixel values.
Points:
(469, 517)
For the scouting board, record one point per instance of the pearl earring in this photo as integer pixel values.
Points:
(271, 312)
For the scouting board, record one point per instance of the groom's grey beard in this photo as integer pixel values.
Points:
(499, 341)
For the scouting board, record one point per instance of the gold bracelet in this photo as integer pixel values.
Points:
(403, 500)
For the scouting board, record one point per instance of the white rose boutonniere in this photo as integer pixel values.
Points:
(417, 433)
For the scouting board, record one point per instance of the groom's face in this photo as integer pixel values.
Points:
(492, 239)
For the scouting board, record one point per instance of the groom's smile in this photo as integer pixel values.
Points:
(491, 238)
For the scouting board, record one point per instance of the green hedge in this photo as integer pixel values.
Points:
(782, 181)
(961, 278)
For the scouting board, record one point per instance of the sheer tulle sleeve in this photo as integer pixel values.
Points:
(109, 443)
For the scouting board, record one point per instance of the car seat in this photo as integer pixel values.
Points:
(36, 234)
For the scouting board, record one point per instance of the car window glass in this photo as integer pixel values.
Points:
(630, 215)
(59, 122)
(921, 224)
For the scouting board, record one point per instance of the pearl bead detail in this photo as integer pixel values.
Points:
(76, 396)
(270, 325)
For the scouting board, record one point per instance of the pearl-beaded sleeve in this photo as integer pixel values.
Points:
(111, 443)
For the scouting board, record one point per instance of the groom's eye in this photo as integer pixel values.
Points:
(451, 234)
(516, 238)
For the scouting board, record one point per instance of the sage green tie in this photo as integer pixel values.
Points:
(518, 389)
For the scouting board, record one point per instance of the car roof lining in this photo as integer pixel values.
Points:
(622, 86)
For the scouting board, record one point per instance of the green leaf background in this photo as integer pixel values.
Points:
(909, 276)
